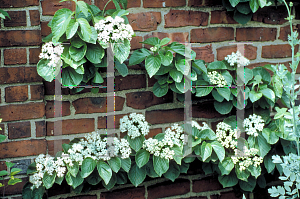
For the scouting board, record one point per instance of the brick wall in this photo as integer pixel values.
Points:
(26, 103)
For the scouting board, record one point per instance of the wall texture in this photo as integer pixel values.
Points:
(26, 103)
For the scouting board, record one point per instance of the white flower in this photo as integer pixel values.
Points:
(226, 136)
(253, 125)
(248, 158)
(135, 125)
(52, 53)
(216, 78)
(237, 58)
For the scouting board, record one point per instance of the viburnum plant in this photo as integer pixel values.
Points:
(78, 41)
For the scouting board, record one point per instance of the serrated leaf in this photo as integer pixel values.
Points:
(137, 175)
(72, 28)
(152, 64)
(104, 171)
(87, 167)
(138, 56)
(161, 165)
(142, 157)
(60, 22)
(85, 29)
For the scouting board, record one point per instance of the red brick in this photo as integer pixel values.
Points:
(180, 18)
(153, 132)
(18, 18)
(138, 193)
(222, 17)
(45, 29)
(205, 53)
(145, 21)
(50, 88)
(180, 37)
(26, 111)
(96, 105)
(166, 189)
(22, 148)
(130, 82)
(73, 126)
(286, 30)
(102, 121)
(18, 3)
(15, 189)
(83, 197)
(34, 17)
(50, 109)
(50, 144)
(200, 3)
(131, 4)
(207, 184)
(51, 6)
(19, 130)
(40, 127)
(206, 35)
(37, 92)
(15, 56)
(250, 51)
(230, 195)
(205, 110)
(164, 116)
(256, 34)
(145, 99)
(16, 93)
(151, 81)
(135, 42)
(31, 75)
(3, 166)
(20, 38)
(277, 51)
(162, 3)
(11, 75)
(271, 15)
(34, 55)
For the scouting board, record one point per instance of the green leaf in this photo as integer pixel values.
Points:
(76, 181)
(60, 22)
(242, 18)
(136, 143)
(181, 66)
(160, 90)
(104, 171)
(183, 86)
(121, 178)
(142, 157)
(249, 185)
(94, 53)
(120, 13)
(2, 138)
(152, 41)
(122, 50)
(173, 171)
(5, 14)
(265, 75)
(115, 164)
(9, 164)
(87, 167)
(227, 77)
(254, 96)
(219, 149)
(3, 173)
(85, 29)
(31, 168)
(200, 92)
(77, 42)
(268, 93)
(264, 146)
(72, 28)
(206, 150)
(244, 8)
(234, 2)
(248, 75)
(199, 65)
(176, 75)
(269, 165)
(126, 164)
(45, 71)
(223, 107)
(242, 175)
(165, 41)
(150, 170)
(207, 134)
(216, 65)
(262, 3)
(228, 180)
(255, 171)
(270, 136)
(225, 92)
(178, 153)
(226, 166)
(38, 193)
(166, 59)
(261, 181)
(13, 181)
(180, 49)
(138, 56)
(111, 183)
(70, 77)
(184, 167)
(161, 165)
(26, 191)
(15, 171)
(77, 53)
(122, 68)
(254, 5)
(94, 178)
(83, 7)
(137, 175)
(48, 180)
(58, 180)
(152, 64)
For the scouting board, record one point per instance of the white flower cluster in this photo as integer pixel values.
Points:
(254, 124)
(51, 52)
(46, 164)
(113, 30)
(249, 158)
(226, 136)
(216, 78)
(200, 128)
(135, 125)
(173, 136)
(153, 48)
(237, 58)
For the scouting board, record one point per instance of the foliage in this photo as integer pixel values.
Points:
(4, 14)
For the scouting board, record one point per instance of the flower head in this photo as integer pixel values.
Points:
(254, 124)
(52, 53)
(216, 78)
(237, 58)
(135, 125)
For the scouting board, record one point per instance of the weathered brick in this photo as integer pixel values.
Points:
(222, 17)
(37, 92)
(102, 121)
(50, 109)
(130, 82)
(164, 116)
(22, 148)
(200, 3)
(20, 38)
(205, 53)
(51, 144)
(277, 51)
(34, 17)
(16, 93)
(96, 105)
(26, 111)
(145, 99)
(19, 130)
(3, 166)
(162, 3)
(15, 189)
(18, 18)
(165, 189)
(40, 127)
(34, 55)
(206, 184)
(205, 35)
(151, 81)
(45, 29)
(50, 88)
(271, 15)
(18, 3)
(256, 34)
(131, 4)
(125, 193)
(250, 52)
(72, 126)
(31, 75)
(153, 132)
(51, 6)
(19, 75)
(15, 56)
(286, 30)
(145, 21)
(179, 18)
(135, 42)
